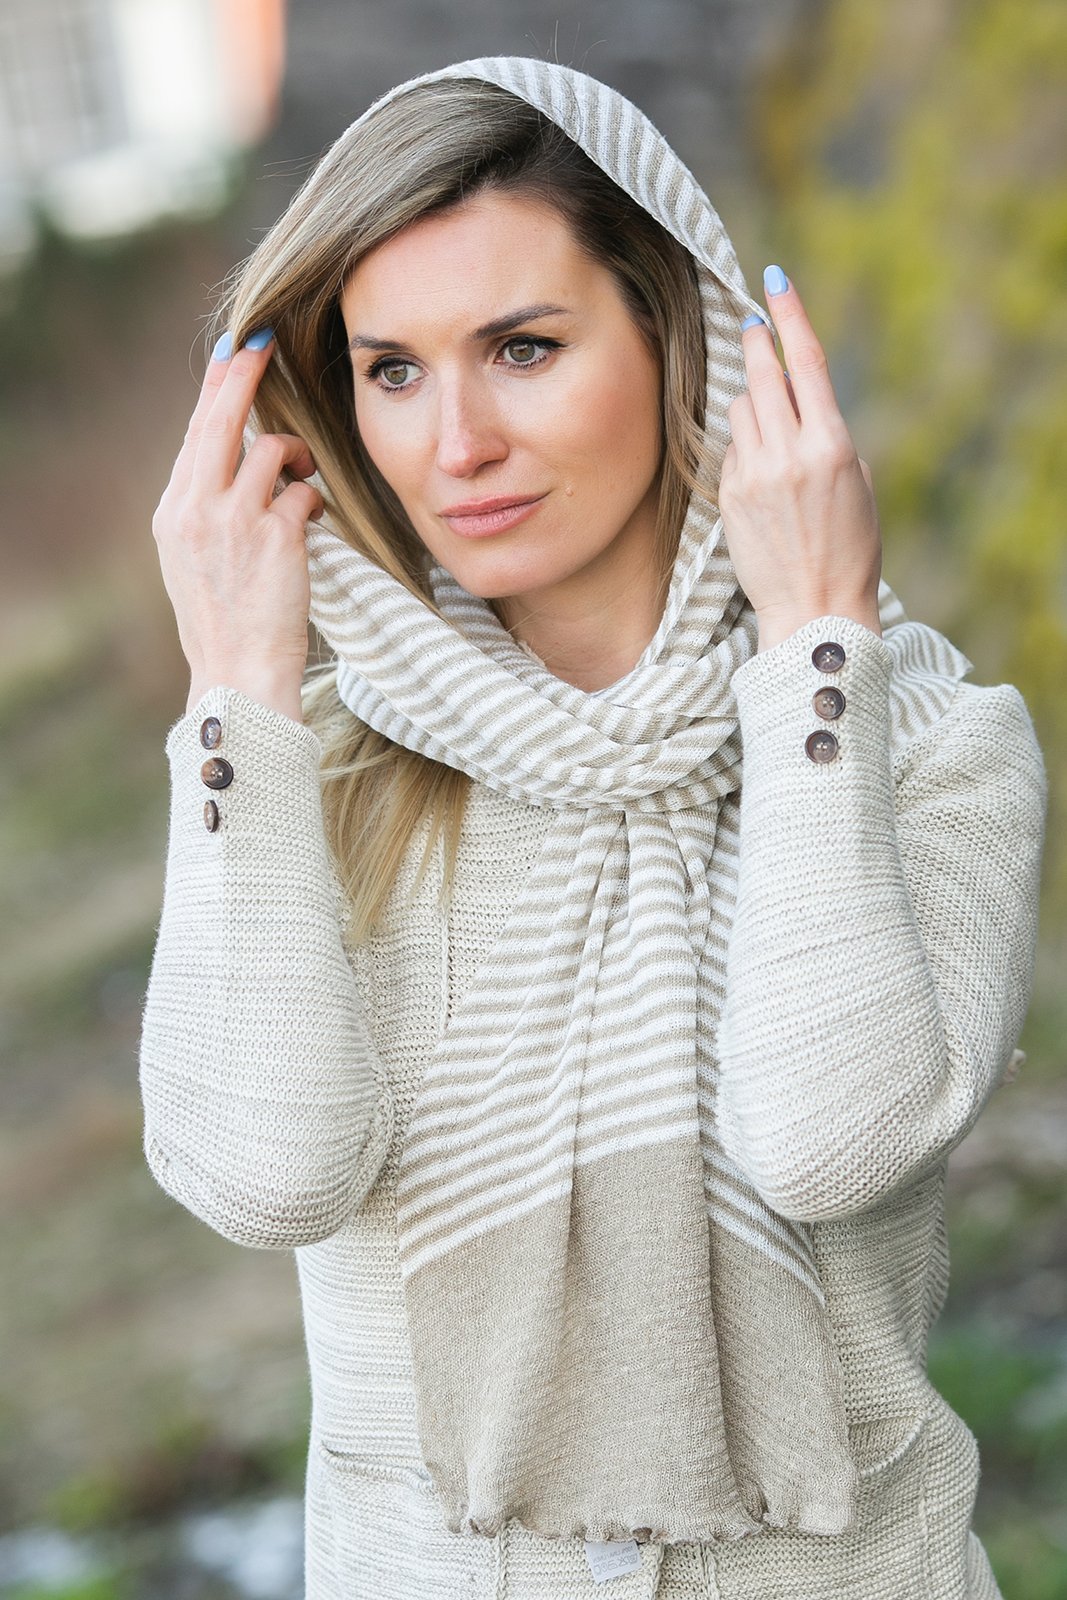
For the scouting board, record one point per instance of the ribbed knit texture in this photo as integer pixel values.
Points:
(673, 1083)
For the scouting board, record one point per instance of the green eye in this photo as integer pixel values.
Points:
(523, 351)
(394, 373)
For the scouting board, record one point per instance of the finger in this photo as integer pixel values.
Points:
(263, 463)
(767, 385)
(805, 358)
(218, 444)
(744, 428)
(299, 502)
(214, 374)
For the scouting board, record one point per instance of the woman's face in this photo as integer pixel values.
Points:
(506, 395)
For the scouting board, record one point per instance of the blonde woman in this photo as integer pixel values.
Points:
(588, 971)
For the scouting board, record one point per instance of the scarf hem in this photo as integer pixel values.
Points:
(731, 1528)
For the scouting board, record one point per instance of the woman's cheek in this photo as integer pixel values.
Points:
(626, 418)
(391, 446)
(563, 422)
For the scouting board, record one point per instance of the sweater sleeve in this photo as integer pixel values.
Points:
(881, 955)
(266, 1110)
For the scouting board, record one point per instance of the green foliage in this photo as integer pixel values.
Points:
(89, 1501)
(104, 1586)
(992, 1385)
(913, 167)
(1014, 1399)
(84, 713)
(919, 195)
(184, 1460)
(1030, 1562)
(70, 998)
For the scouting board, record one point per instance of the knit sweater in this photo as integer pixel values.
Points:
(878, 973)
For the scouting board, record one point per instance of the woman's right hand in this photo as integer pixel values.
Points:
(231, 552)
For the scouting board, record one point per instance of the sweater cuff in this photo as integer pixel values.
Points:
(237, 762)
(814, 699)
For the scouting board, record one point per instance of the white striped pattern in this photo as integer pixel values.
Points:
(591, 1032)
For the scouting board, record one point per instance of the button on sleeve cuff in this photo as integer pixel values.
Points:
(213, 703)
(801, 721)
(255, 761)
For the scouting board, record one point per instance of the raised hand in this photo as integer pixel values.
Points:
(232, 553)
(797, 502)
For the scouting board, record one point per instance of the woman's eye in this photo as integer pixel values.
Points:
(527, 352)
(393, 374)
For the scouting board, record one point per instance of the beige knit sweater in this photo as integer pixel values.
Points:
(878, 975)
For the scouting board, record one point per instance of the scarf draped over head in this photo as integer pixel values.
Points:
(612, 1333)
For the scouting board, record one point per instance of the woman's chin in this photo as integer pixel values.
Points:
(501, 579)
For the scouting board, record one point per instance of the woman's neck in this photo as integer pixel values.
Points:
(590, 634)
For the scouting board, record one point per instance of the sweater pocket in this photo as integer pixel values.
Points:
(389, 1537)
(880, 1444)
(883, 1553)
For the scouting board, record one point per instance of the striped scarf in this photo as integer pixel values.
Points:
(613, 1335)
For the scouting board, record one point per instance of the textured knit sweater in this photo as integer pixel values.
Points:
(878, 973)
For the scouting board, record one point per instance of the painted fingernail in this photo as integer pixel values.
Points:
(223, 348)
(750, 322)
(775, 280)
(260, 339)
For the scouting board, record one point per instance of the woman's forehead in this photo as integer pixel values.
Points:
(496, 246)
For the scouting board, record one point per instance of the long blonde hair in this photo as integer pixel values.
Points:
(427, 149)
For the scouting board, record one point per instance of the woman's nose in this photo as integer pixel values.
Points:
(469, 431)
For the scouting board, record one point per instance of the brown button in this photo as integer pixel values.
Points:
(828, 702)
(821, 745)
(217, 773)
(828, 657)
(210, 733)
(211, 816)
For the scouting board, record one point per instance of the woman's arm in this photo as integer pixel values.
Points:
(882, 950)
(267, 1114)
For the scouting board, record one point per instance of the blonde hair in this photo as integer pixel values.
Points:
(427, 150)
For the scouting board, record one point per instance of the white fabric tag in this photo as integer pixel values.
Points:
(613, 1559)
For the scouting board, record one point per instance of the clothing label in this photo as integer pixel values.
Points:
(613, 1559)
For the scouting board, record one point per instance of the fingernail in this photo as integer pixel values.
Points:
(750, 322)
(775, 280)
(223, 348)
(260, 339)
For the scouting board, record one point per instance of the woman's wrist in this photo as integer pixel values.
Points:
(273, 687)
(776, 626)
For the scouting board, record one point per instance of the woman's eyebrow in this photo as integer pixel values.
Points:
(488, 330)
(512, 319)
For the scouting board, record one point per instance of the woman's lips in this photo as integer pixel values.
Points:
(476, 524)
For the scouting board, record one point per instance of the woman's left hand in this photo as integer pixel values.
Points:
(796, 501)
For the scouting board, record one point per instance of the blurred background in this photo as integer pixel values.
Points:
(907, 166)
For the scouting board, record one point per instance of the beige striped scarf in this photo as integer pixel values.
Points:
(612, 1333)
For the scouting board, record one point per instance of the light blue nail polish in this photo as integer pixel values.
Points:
(223, 348)
(775, 280)
(260, 339)
(750, 322)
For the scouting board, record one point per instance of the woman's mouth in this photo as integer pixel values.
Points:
(476, 518)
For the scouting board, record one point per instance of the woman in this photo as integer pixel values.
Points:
(604, 1094)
